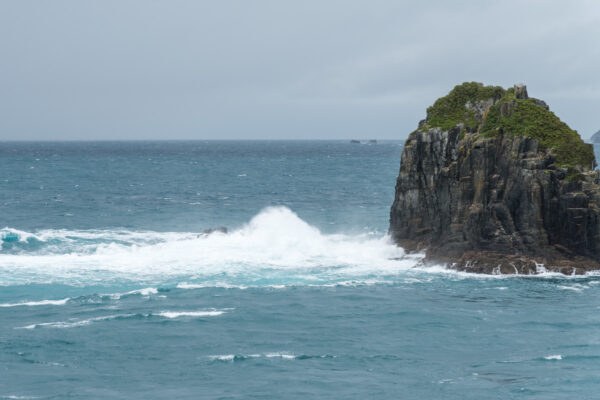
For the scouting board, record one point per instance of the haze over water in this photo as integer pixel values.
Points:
(110, 289)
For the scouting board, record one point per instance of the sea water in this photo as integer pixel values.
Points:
(110, 289)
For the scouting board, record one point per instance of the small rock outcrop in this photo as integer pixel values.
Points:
(493, 182)
(595, 137)
(218, 229)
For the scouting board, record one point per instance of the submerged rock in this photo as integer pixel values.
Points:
(493, 182)
(220, 229)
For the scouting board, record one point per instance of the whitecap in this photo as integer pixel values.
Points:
(226, 357)
(239, 357)
(277, 286)
(143, 292)
(177, 314)
(73, 323)
(285, 356)
(575, 288)
(553, 357)
(19, 235)
(223, 285)
(61, 302)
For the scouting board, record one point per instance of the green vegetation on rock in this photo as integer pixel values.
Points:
(451, 110)
(522, 117)
(492, 111)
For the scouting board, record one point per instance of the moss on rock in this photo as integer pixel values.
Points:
(452, 109)
(492, 110)
(523, 117)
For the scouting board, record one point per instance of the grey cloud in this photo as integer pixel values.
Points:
(280, 70)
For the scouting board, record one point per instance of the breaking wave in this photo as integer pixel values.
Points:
(275, 247)
(61, 302)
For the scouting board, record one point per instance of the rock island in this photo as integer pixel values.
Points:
(492, 181)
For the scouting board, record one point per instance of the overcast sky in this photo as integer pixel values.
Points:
(123, 69)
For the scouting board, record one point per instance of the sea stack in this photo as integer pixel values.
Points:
(493, 182)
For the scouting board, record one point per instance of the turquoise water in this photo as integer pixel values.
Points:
(109, 288)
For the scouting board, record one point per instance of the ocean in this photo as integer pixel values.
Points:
(111, 289)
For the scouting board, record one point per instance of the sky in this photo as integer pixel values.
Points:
(304, 69)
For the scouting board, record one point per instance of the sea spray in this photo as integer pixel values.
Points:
(276, 242)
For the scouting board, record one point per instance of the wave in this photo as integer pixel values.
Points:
(177, 314)
(347, 283)
(15, 397)
(142, 292)
(274, 247)
(223, 285)
(275, 355)
(574, 288)
(61, 302)
(73, 323)
(63, 241)
(556, 357)
(83, 299)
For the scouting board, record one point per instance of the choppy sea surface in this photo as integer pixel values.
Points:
(110, 289)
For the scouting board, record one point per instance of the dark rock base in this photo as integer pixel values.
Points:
(487, 262)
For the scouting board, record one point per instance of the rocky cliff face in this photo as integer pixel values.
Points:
(482, 196)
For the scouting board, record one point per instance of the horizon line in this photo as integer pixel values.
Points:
(188, 140)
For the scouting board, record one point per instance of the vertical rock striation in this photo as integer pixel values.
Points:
(493, 182)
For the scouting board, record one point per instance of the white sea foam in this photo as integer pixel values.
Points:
(285, 356)
(226, 357)
(349, 283)
(73, 323)
(276, 247)
(276, 240)
(177, 314)
(233, 357)
(185, 285)
(442, 270)
(143, 292)
(61, 302)
(554, 357)
(574, 288)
